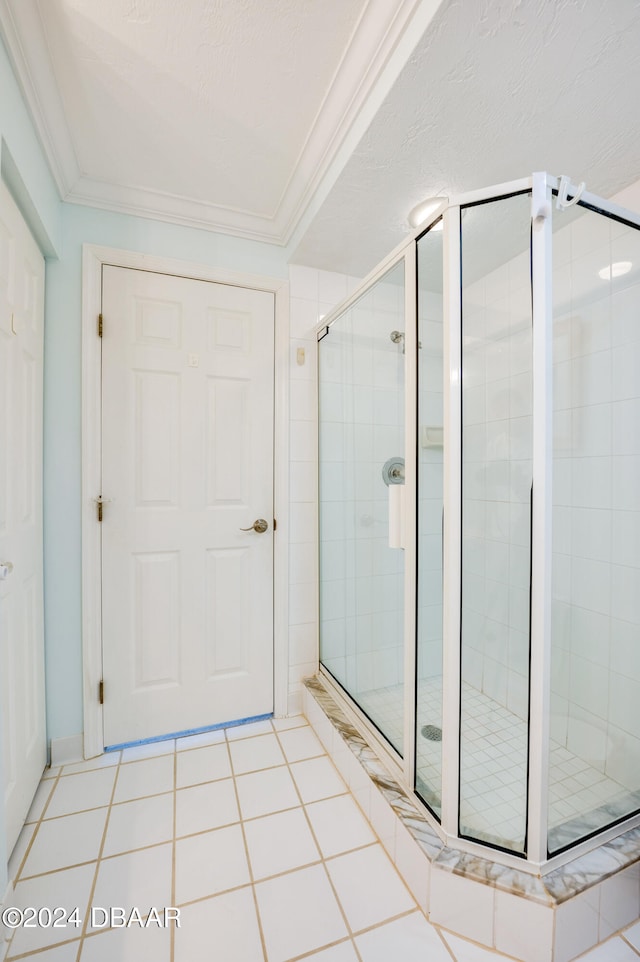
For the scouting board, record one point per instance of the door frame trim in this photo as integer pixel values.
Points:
(93, 258)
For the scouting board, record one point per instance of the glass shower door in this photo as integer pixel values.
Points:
(361, 374)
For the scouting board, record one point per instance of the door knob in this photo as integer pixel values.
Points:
(259, 526)
(6, 567)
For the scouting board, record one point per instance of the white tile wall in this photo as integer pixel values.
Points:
(596, 560)
(496, 480)
(497, 473)
(362, 395)
(596, 563)
(313, 294)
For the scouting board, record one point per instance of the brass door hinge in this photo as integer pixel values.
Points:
(100, 325)
(100, 501)
(101, 693)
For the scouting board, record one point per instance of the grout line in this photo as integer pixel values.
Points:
(97, 868)
(36, 952)
(253, 882)
(444, 942)
(54, 871)
(36, 824)
(323, 948)
(315, 839)
(627, 942)
(88, 770)
(246, 853)
(172, 933)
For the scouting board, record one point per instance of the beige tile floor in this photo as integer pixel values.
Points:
(251, 833)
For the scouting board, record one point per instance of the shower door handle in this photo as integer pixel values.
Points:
(259, 526)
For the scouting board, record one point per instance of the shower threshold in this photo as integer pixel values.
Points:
(470, 894)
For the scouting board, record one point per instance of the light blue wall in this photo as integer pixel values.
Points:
(63, 415)
(61, 230)
(23, 161)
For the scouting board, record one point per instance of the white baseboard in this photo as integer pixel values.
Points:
(67, 750)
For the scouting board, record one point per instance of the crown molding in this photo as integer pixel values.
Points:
(174, 209)
(381, 32)
(26, 43)
(376, 38)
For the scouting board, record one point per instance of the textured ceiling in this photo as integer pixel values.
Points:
(494, 90)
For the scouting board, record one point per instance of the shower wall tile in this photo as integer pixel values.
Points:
(303, 282)
(303, 442)
(626, 364)
(361, 427)
(303, 317)
(303, 563)
(624, 647)
(332, 287)
(303, 480)
(623, 757)
(596, 559)
(624, 710)
(303, 522)
(302, 603)
(625, 535)
(313, 293)
(303, 644)
(587, 737)
(303, 398)
(626, 483)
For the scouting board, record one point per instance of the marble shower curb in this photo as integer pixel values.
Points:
(535, 919)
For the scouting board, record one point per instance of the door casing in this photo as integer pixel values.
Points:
(93, 257)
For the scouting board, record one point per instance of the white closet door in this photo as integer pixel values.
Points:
(21, 593)
(187, 369)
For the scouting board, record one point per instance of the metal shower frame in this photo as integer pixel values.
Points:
(542, 187)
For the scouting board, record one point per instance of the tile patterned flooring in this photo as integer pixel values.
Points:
(251, 832)
(493, 787)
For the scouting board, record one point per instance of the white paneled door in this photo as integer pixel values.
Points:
(22, 703)
(187, 595)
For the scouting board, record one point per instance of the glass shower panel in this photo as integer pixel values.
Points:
(496, 520)
(594, 775)
(430, 505)
(361, 375)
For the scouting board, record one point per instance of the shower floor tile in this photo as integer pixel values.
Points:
(493, 765)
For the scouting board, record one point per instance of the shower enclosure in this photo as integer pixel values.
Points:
(479, 527)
